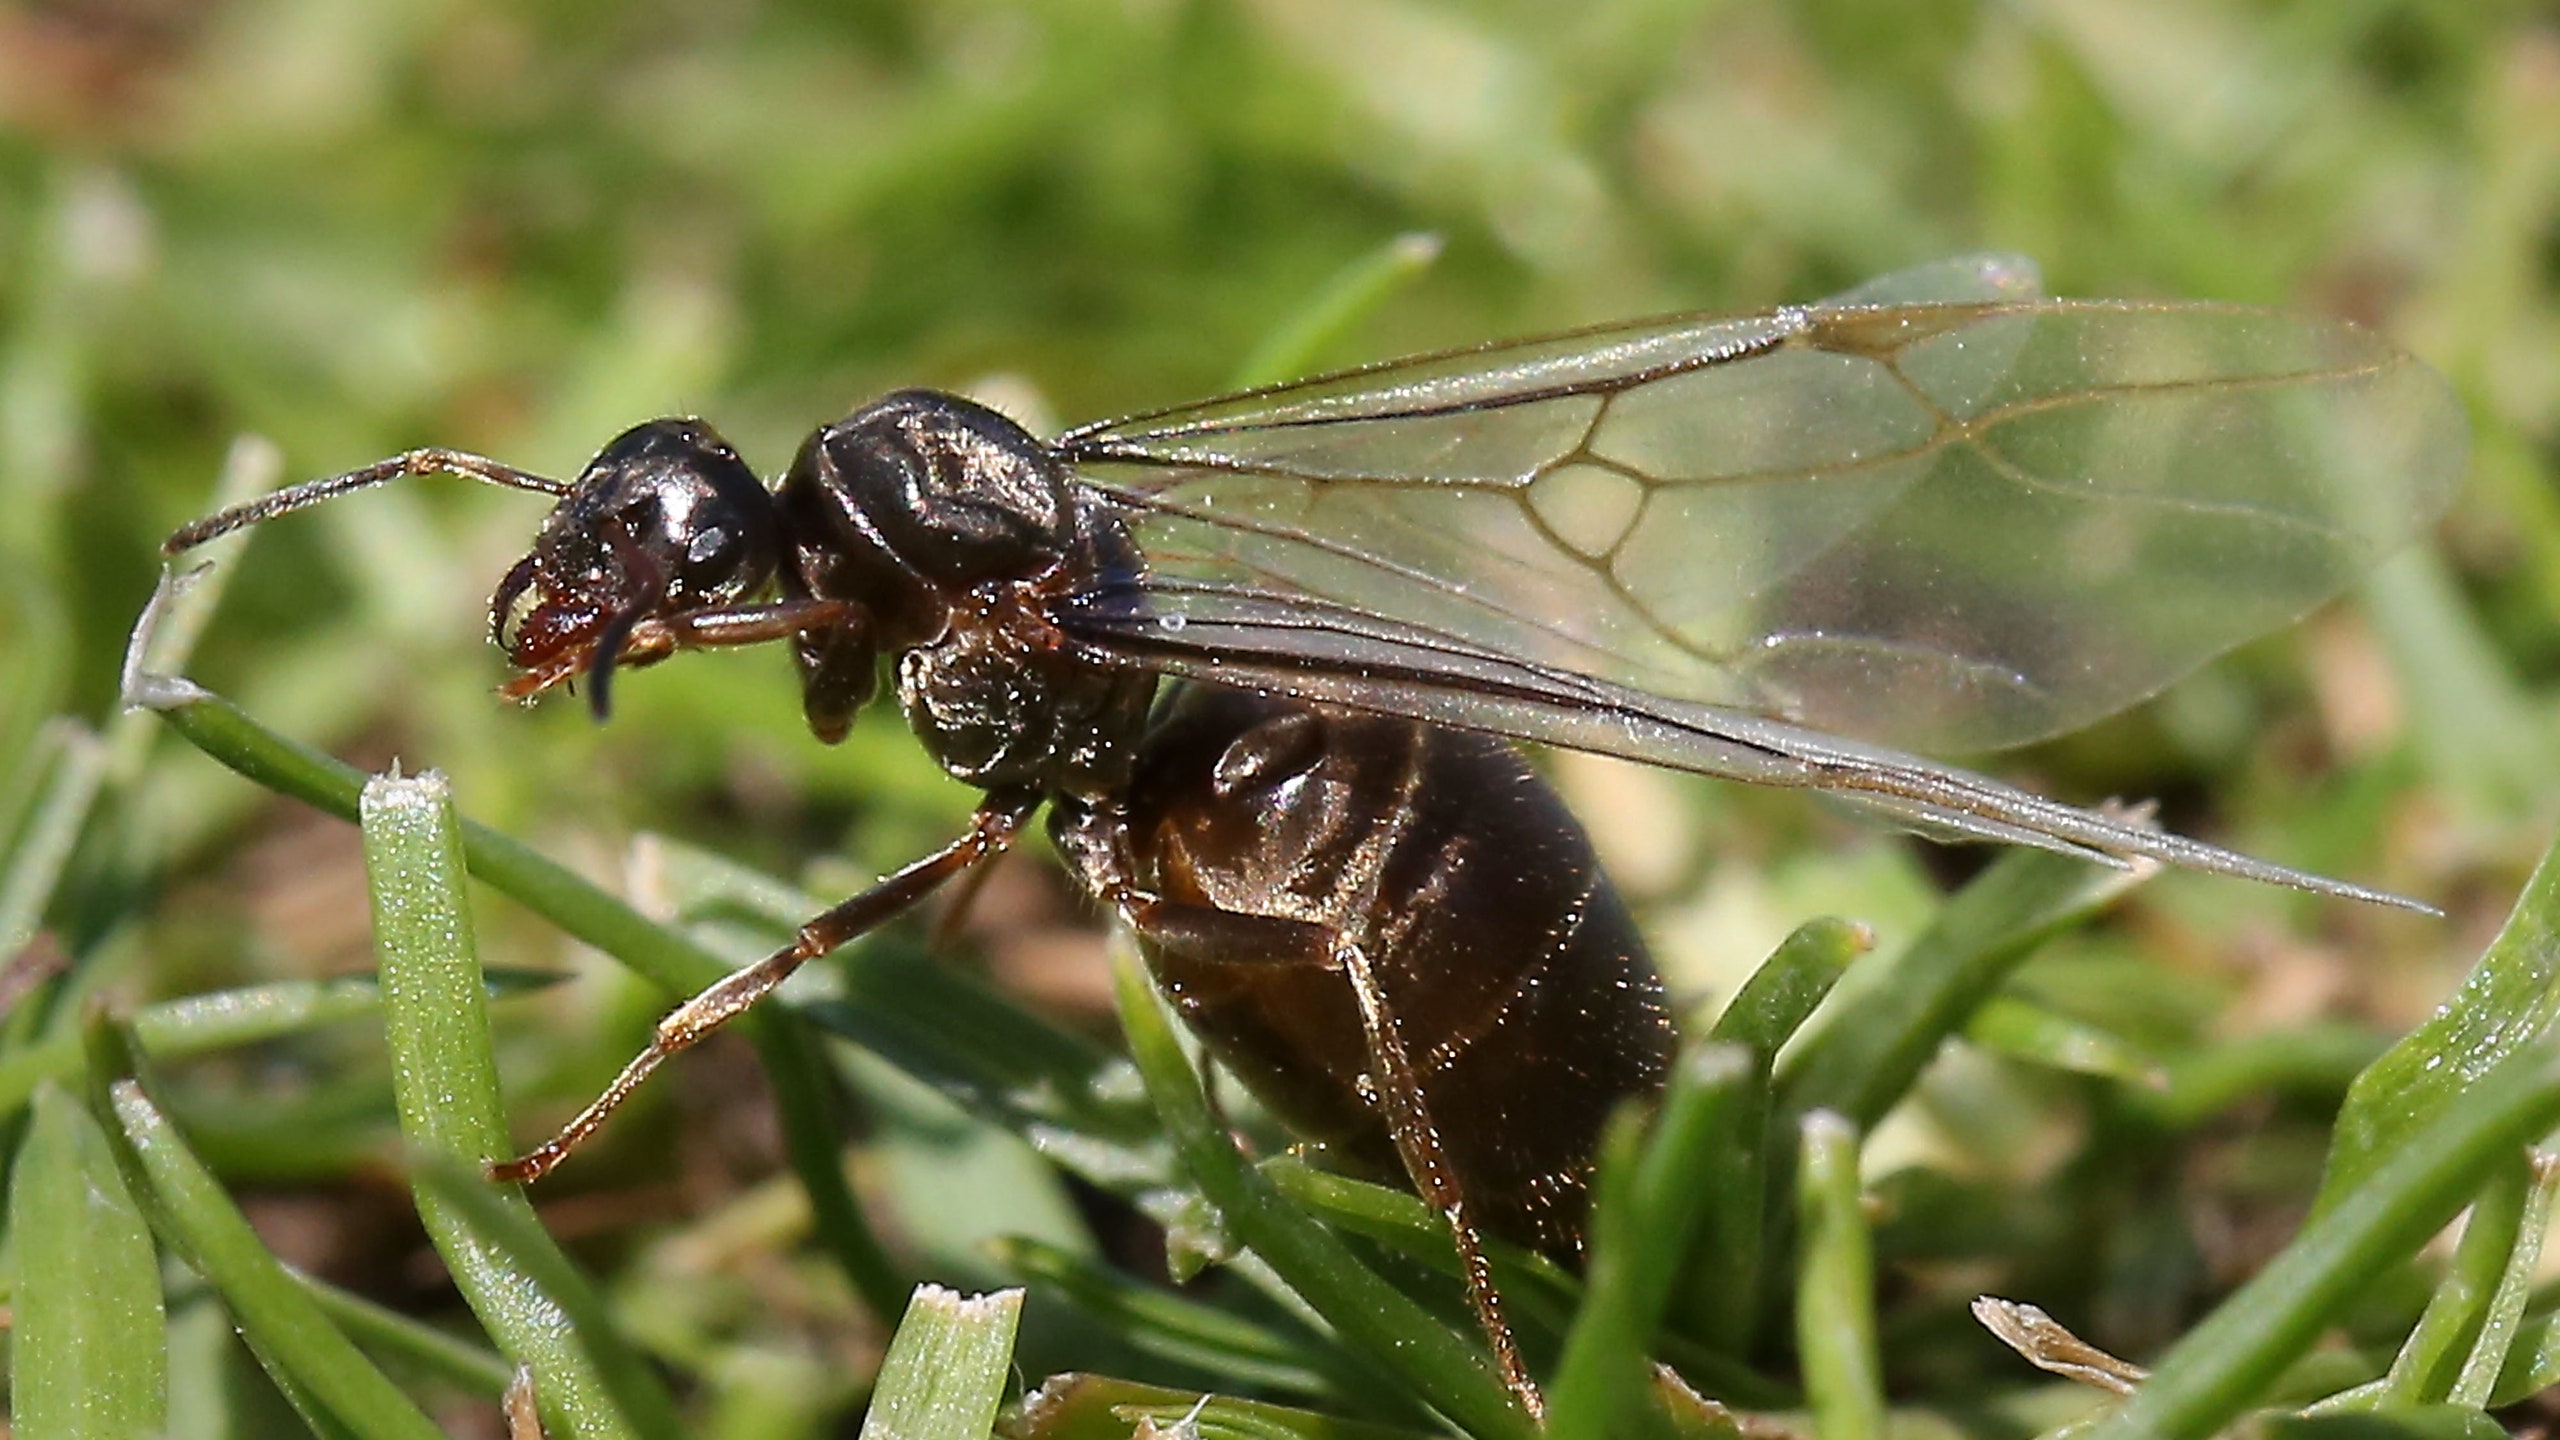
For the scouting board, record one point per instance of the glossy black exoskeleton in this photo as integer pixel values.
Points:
(1912, 518)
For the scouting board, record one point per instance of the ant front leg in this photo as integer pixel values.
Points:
(657, 638)
(990, 833)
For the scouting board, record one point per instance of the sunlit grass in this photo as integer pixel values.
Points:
(2206, 1126)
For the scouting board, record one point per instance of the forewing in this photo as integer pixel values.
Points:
(1943, 526)
(1326, 653)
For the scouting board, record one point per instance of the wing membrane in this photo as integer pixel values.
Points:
(1343, 656)
(1941, 526)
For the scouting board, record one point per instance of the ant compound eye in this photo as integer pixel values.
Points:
(678, 492)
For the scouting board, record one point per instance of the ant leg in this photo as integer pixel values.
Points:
(655, 639)
(993, 829)
(756, 624)
(945, 935)
(1215, 936)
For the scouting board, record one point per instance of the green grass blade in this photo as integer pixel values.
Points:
(946, 1368)
(223, 731)
(812, 1140)
(385, 1331)
(498, 1221)
(28, 774)
(804, 1093)
(2432, 1357)
(2505, 1312)
(2035, 1034)
(927, 1018)
(1783, 993)
(1372, 1317)
(2317, 1061)
(992, 1057)
(311, 1359)
(220, 1020)
(1726, 1278)
(445, 1080)
(1879, 1038)
(2229, 1359)
(1542, 1290)
(2407, 1422)
(1174, 1327)
(1542, 1296)
(2504, 1006)
(1349, 297)
(2532, 1360)
(2482, 735)
(936, 1025)
(1723, 1301)
(88, 1344)
(34, 863)
(1651, 1203)
(1099, 1407)
(1835, 1288)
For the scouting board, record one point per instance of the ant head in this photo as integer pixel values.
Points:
(666, 520)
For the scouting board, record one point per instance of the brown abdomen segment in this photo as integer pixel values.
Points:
(1516, 975)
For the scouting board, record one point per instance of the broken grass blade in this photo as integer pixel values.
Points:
(445, 1079)
(946, 1368)
(1101, 1407)
(182, 606)
(2043, 1342)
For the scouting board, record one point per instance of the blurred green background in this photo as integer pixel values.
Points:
(514, 229)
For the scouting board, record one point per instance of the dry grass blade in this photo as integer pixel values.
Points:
(2042, 1342)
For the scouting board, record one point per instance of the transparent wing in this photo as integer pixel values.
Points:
(1949, 525)
(1336, 654)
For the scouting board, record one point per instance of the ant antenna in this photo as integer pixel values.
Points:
(312, 492)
